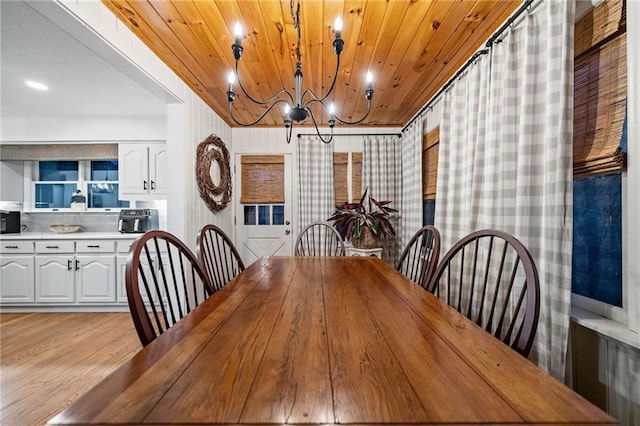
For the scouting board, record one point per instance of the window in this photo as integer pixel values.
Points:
(430, 149)
(600, 161)
(263, 189)
(347, 177)
(56, 181)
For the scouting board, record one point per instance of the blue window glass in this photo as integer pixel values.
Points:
(54, 195)
(58, 170)
(264, 215)
(278, 215)
(597, 238)
(104, 170)
(104, 195)
(249, 215)
(428, 212)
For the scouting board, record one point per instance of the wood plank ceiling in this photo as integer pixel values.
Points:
(411, 47)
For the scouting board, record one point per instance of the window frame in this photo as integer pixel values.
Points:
(629, 314)
(31, 173)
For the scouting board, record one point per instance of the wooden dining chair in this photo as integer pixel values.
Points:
(218, 256)
(164, 283)
(490, 277)
(319, 239)
(420, 257)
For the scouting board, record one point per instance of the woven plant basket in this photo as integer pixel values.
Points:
(367, 240)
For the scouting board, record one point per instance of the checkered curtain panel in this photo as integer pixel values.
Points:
(382, 173)
(506, 158)
(411, 200)
(315, 181)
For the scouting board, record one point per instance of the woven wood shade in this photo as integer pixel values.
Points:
(262, 179)
(59, 151)
(356, 176)
(430, 149)
(340, 176)
(340, 165)
(600, 91)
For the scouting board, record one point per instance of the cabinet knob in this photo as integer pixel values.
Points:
(144, 185)
(94, 246)
(11, 247)
(69, 265)
(52, 247)
(153, 185)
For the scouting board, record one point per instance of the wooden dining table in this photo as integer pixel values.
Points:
(328, 340)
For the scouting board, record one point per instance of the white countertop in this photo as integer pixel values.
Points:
(70, 236)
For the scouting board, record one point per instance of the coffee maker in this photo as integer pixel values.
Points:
(137, 220)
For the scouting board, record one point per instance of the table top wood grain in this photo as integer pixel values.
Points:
(304, 340)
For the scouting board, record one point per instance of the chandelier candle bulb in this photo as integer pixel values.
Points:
(337, 27)
(237, 31)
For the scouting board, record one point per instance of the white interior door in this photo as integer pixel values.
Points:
(263, 229)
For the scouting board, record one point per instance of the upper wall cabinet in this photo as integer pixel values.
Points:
(143, 171)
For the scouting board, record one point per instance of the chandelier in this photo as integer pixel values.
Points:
(297, 106)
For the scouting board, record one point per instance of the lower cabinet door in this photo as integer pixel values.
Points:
(96, 278)
(16, 279)
(55, 279)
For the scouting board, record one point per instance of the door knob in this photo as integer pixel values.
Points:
(287, 223)
(287, 232)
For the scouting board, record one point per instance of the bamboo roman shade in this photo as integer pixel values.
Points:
(59, 151)
(430, 148)
(262, 179)
(600, 92)
(341, 178)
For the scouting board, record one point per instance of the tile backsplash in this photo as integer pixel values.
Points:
(35, 221)
(89, 222)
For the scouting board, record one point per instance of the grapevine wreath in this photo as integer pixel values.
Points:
(212, 149)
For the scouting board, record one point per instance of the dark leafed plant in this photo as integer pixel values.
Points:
(350, 218)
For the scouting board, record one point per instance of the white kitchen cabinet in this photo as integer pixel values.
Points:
(123, 247)
(63, 272)
(16, 272)
(54, 278)
(143, 171)
(55, 271)
(95, 265)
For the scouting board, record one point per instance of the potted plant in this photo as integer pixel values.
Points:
(364, 223)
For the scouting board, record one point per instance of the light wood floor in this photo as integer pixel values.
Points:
(47, 360)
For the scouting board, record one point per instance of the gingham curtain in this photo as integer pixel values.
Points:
(506, 156)
(315, 181)
(382, 174)
(411, 199)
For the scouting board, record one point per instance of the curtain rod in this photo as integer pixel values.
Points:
(488, 44)
(351, 134)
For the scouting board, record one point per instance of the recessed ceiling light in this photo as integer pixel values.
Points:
(36, 85)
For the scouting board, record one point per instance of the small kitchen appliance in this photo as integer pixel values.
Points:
(9, 222)
(137, 220)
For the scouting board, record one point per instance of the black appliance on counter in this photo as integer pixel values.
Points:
(9, 222)
(137, 220)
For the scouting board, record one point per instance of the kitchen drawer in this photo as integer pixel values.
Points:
(95, 246)
(16, 247)
(123, 246)
(55, 246)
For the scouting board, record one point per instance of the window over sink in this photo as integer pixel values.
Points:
(54, 183)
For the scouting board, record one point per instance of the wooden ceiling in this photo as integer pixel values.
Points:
(411, 47)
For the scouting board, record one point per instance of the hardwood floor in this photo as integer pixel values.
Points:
(47, 360)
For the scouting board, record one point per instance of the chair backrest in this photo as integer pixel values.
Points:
(420, 257)
(490, 277)
(164, 283)
(319, 239)
(218, 256)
